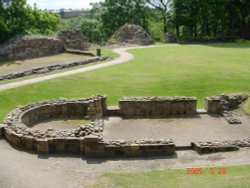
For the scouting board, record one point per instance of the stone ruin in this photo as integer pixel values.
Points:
(131, 34)
(224, 104)
(73, 39)
(25, 47)
(88, 139)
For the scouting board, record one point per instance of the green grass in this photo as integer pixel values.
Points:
(187, 70)
(236, 176)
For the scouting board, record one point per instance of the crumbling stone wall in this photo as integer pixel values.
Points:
(22, 47)
(25, 47)
(16, 128)
(86, 139)
(73, 39)
(223, 104)
(157, 106)
(218, 104)
(131, 34)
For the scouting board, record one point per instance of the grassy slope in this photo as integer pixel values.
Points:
(192, 70)
(105, 52)
(236, 176)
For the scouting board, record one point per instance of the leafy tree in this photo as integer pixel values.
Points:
(118, 12)
(91, 29)
(16, 17)
(163, 7)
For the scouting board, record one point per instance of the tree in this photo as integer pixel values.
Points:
(16, 18)
(91, 29)
(116, 13)
(213, 19)
(163, 6)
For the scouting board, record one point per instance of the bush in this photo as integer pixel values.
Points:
(156, 31)
(92, 30)
(18, 18)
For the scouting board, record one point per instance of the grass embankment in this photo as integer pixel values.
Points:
(105, 52)
(236, 176)
(188, 70)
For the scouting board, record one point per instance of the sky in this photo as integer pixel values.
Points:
(57, 4)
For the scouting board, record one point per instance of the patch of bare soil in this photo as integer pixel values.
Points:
(58, 124)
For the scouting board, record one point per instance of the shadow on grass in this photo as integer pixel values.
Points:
(242, 45)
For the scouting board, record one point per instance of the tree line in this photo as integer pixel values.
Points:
(189, 20)
(17, 18)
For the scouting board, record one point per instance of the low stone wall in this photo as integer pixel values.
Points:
(86, 139)
(22, 47)
(215, 146)
(50, 68)
(218, 104)
(16, 124)
(157, 106)
(222, 104)
(95, 147)
(32, 46)
(73, 39)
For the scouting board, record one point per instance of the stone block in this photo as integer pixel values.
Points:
(91, 139)
(2, 126)
(82, 145)
(72, 145)
(213, 105)
(59, 145)
(28, 142)
(42, 146)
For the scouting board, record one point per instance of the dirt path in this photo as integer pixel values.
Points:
(20, 169)
(124, 57)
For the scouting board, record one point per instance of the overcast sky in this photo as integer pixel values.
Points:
(57, 4)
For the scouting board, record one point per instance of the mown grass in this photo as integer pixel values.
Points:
(186, 70)
(236, 176)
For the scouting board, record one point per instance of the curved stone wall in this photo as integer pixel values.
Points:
(18, 132)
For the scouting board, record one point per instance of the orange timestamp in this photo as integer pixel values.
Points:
(197, 171)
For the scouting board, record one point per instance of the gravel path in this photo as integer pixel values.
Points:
(124, 57)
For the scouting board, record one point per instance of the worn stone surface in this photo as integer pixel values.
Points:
(73, 39)
(131, 34)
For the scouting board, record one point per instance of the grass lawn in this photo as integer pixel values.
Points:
(236, 176)
(186, 70)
